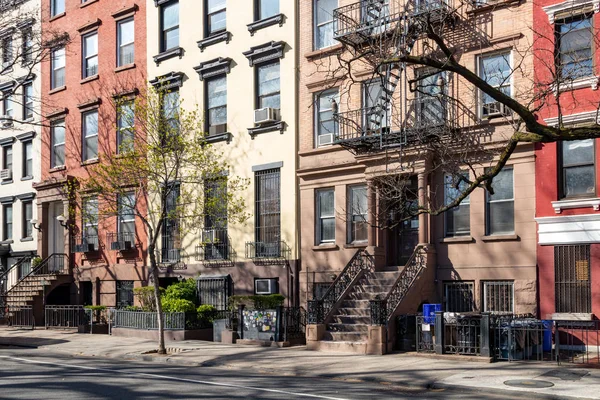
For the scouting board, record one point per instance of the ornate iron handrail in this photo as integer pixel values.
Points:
(383, 309)
(4, 274)
(320, 309)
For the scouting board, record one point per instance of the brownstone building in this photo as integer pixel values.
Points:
(355, 126)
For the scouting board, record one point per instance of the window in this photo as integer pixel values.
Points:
(458, 296)
(216, 113)
(89, 221)
(57, 7)
(430, 108)
(169, 15)
(125, 127)
(572, 279)
(325, 211)
(170, 228)
(124, 294)
(125, 36)
(8, 107)
(495, 69)
(326, 126)
(27, 101)
(27, 159)
(500, 208)
(170, 114)
(7, 226)
(574, 46)
(27, 45)
(57, 158)
(214, 234)
(267, 192)
(27, 215)
(323, 10)
(267, 8)
(7, 51)
(577, 170)
(90, 136)
(498, 297)
(58, 68)
(126, 213)
(268, 85)
(90, 55)
(7, 159)
(458, 220)
(372, 93)
(357, 214)
(215, 16)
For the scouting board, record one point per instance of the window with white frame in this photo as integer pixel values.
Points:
(215, 17)
(126, 213)
(7, 157)
(325, 212)
(90, 55)
(266, 8)
(8, 107)
(326, 124)
(90, 135)
(357, 214)
(7, 51)
(58, 68)
(7, 225)
(27, 159)
(457, 219)
(574, 37)
(125, 44)
(27, 216)
(268, 85)
(169, 19)
(500, 206)
(498, 297)
(323, 10)
(27, 101)
(125, 127)
(577, 168)
(57, 130)
(89, 216)
(57, 7)
(495, 69)
(216, 104)
(27, 45)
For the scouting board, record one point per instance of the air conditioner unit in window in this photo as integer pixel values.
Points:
(120, 245)
(264, 115)
(6, 121)
(217, 129)
(325, 139)
(5, 174)
(266, 286)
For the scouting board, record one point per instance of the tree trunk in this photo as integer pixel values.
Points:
(159, 310)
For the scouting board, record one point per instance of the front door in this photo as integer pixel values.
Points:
(56, 232)
(402, 240)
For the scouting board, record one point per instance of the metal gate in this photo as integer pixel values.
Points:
(215, 290)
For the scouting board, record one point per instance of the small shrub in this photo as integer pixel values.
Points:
(145, 296)
(177, 305)
(207, 312)
(133, 308)
(95, 308)
(35, 261)
(185, 289)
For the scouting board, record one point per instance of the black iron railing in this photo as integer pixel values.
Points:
(169, 256)
(20, 316)
(355, 23)
(66, 316)
(85, 244)
(320, 309)
(268, 250)
(215, 246)
(293, 323)
(121, 241)
(357, 125)
(431, 9)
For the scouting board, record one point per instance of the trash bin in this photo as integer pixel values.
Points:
(547, 340)
(429, 311)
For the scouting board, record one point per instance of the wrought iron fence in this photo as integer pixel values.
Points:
(424, 335)
(293, 324)
(462, 334)
(66, 316)
(20, 316)
(147, 320)
(268, 250)
(515, 338)
(577, 342)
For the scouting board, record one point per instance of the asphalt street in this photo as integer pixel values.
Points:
(38, 374)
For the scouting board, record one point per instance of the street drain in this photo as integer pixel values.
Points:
(528, 383)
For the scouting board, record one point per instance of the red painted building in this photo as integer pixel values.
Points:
(567, 176)
(104, 60)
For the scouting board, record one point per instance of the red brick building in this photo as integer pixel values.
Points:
(104, 60)
(567, 178)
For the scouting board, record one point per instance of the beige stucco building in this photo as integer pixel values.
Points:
(230, 60)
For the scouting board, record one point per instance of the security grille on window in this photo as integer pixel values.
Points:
(125, 127)
(57, 7)
(268, 212)
(268, 85)
(214, 234)
(27, 101)
(58, 68)
(7, 51)
(90, 135)
(498, 297)
(215, 291)
(126, 47)
(215, 16)
(326, 126)
(170, 228)
(27, 159)
(574, 46)
(126, 214)
(323, 10)
(57, 129)
(459, 296)
(572, 291)
(124, 294)
(457, 219)
(90, 55)
(267, 8)
(577, 168)
(7, 226)
(495, 69)
(27, 215)
(216, 112)
(169, 15)
(500, 210)
(325, 216)
(357, 214)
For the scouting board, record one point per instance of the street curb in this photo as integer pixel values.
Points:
(514, 392)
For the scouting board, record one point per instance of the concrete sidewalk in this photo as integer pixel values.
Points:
(406, 370)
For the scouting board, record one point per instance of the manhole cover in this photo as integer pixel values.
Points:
(567, 374)
(528, 383)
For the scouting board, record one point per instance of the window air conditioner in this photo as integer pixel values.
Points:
(265, 286)
(264, 115)
(5, 174)
(217, 129)
(121, 245)
(323, 140)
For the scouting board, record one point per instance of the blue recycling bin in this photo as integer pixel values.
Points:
(547, 340)
(429, 311)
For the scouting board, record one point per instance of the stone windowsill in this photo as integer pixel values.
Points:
(125, 67)
(219, 137)
(324, 52)
(573, 316)
(27, 178)
(27, 239)
(224, 36)
(58, 89)
(457, 239)
(356, 245)
(500, 238)
(7, 182)
(278, 19)
(87, 3)
(326, 247)
(90, 162)
(579, 83)
(576, 203)
(89, 79)
(275, 126)
(57, 16)
(320, 150)
(165, 55)
(10, 241)
(57, 169)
